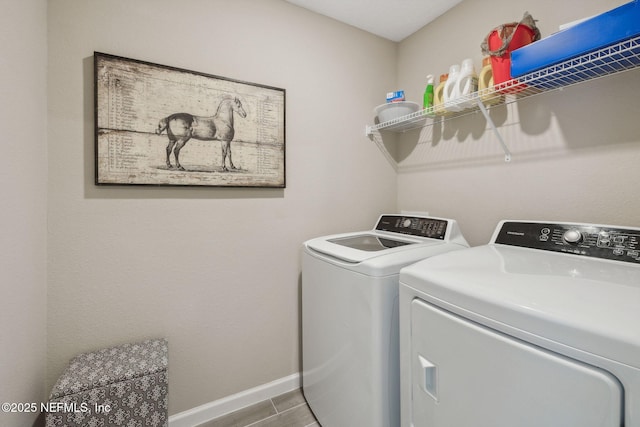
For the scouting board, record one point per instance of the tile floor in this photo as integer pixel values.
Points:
(287, 410)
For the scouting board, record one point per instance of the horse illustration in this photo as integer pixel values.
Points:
(181, 127)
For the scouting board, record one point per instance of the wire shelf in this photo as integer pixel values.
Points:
(613, 59)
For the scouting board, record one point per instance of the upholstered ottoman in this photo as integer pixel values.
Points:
(119, 386)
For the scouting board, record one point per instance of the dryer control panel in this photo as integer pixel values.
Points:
(598, 241)
(413, 225)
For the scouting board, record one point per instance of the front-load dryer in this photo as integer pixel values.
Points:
(541, 327)
(350, 361)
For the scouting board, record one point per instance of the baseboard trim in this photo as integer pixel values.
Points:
(208, 411)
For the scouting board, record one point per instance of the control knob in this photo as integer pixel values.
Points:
(572, 236)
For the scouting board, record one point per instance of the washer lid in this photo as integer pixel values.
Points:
(369, 242)
(363, 246)
(585, 303)
(392, 242)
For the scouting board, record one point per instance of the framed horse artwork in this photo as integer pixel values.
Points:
(160, 125)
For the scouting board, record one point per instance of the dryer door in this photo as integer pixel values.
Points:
(467, 375)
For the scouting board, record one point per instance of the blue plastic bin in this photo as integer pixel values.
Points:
(609, 28)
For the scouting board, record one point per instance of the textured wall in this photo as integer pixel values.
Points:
(23, 49)
(214, 270)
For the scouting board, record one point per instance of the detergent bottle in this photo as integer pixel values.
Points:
(450, 89)
(485, 84)
(466, 85)
(438, 96)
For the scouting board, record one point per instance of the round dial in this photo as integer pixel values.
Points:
(406, 223)
(572, 236)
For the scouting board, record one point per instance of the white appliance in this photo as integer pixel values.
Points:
(350, 316)
(541, 327)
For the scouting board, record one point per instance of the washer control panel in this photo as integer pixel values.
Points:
(413, 225)
(598, 241)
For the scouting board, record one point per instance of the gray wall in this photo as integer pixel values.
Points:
(23, 108)
(214, 270)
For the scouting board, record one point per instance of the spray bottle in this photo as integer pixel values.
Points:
(428, 93)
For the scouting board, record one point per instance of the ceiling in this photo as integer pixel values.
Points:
(391, 19)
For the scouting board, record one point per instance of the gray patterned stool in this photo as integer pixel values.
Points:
(119, 386)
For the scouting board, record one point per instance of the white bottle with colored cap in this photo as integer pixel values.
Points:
(451, 89)
(466, 85)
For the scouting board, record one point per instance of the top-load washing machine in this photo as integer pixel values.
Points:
(539, 328)
(350, 361)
